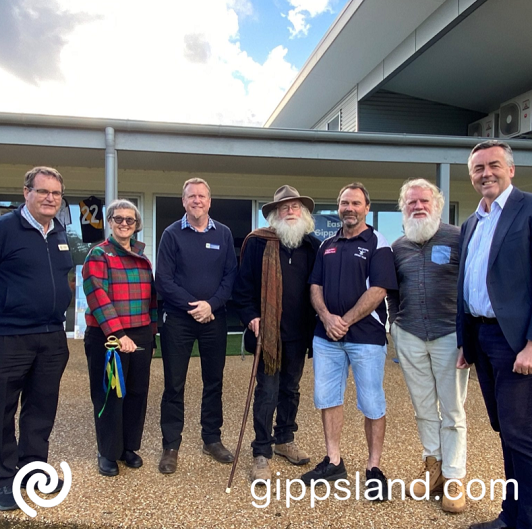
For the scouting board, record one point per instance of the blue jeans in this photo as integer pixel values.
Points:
(508, 399)
(331, 368)
(278, 391)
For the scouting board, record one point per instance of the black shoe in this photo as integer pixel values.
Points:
(219, 452)
(131, 459)
(494, 524)
(325, 470)
(24, 482)
(377, 475)
(7, 501)
(106, 467)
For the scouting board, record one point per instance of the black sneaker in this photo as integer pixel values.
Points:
(7, 500)
(376, 475)
(325, 470)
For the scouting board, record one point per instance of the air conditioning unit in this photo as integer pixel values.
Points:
(487, 127)
(515, 118)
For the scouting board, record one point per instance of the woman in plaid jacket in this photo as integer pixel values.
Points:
(122, 302)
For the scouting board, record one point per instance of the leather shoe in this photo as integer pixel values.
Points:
(131, 459)
(219, 452)
(494, 524)
(168, 462)
(24, 482)
(106, 467)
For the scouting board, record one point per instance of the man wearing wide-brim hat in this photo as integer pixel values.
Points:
(272, 296)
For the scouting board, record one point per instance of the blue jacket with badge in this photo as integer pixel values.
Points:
(34, 288)
(194, 266)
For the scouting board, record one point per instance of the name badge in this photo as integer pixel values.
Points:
(210, 246)
(63, 247)
(329, 250)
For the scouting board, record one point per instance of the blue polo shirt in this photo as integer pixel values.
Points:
(346, 268)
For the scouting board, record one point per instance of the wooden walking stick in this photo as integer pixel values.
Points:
(246, 412)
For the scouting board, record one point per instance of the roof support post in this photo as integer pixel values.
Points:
(111, 165)
(443, 181)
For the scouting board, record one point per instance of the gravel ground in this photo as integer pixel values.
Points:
(195, 497)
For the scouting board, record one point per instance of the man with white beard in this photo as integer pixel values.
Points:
(272, 297)
(423, 327)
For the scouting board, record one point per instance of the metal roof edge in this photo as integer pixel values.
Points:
(231, 131)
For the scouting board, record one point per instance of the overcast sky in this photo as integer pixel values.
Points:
(194, 61)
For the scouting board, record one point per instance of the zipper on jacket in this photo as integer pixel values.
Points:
(53, 280)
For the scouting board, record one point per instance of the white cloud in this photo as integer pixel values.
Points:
(302, 11)
(32, 34)
(177, 61)
(243, 8)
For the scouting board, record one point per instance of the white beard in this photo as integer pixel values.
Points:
(420, 230)
(290, 233)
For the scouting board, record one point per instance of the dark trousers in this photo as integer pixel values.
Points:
(508, 398)
(279, 391)
(31, 367)
(121, 424)
(178, 335)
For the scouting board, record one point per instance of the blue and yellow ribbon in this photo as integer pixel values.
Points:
(113, 376)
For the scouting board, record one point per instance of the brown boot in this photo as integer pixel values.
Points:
(261, 469)
(168, 462)
(218, 452)
(295, 455)
(454, 489)
(433, 467)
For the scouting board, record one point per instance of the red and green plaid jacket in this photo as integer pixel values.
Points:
(119, 287)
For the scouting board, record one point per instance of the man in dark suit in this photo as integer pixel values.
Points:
(494, 324)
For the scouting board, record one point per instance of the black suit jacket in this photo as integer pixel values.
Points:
(509, 278)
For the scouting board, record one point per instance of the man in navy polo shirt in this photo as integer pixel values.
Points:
(353, 271)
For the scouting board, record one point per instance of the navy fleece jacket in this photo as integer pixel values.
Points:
(34, 289)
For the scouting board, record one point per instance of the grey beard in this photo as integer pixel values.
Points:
(290, 235)
(421, 230)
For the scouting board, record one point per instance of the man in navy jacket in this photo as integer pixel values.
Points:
(34, 295)
(494, 324)
(196, 269)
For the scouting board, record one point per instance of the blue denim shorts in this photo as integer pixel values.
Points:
(331, 368)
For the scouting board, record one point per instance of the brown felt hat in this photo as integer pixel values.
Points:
(286, 194)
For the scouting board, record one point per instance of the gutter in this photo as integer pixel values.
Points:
(231, 131)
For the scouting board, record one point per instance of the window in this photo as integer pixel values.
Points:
(334, 124)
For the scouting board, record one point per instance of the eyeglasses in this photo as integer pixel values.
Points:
(44, 193)
(288, 207)
(119, 220)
